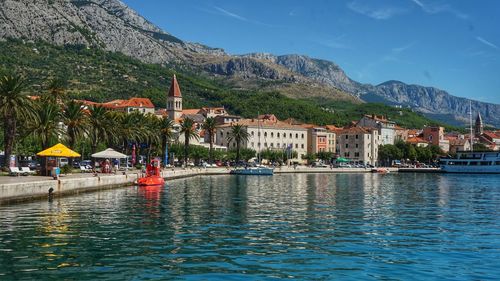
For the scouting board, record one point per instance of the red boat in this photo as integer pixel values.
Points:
(153, 175)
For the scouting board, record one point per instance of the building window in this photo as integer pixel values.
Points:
(346, 137)
(252, 133)
(296, 136)
(291, 135)
(265, 134)
(302, 146)
(357, 136)
(357, 145)
(302, 135)
(356, 154)
(272, 144)
(278, 135)
(296, 145)
(346, 145)
(265, 144)
(272, 135)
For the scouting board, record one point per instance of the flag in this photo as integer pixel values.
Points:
(166, 156)
(133, 155)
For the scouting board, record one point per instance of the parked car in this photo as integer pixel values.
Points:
(319, 164)
(344, 165)
(32, 164)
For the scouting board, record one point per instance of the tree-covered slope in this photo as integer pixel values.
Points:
(102, 76)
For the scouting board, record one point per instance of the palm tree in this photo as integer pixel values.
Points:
(166, 133)
(47, 127)
(237, 134)
(189, 131)
(99, 126)
(76, 120)
(56, 91)
(152, 134)
(210, 127)
(14, 105)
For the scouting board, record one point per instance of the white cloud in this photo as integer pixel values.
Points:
(486, 42)
(379, 13)
(230, 14)
(440, 8)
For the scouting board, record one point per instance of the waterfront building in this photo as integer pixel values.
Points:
(319, 139)
(417, 141)
(400, 134)
(142, 105)
(359, 144)
(386, 128)
(435, 136)
(267, 134)
(226, 119)
(459, 144)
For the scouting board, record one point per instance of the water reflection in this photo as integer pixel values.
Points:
(306, 226)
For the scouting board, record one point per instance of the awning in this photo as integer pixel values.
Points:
(109, 153)
(341, 159)
(59, 150)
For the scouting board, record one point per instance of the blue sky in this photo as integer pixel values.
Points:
(452, 45)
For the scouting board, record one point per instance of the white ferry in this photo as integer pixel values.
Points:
(472, 162)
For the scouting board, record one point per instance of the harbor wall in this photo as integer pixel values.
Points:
(26, 189)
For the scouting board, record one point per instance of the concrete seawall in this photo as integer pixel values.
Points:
(22, 189)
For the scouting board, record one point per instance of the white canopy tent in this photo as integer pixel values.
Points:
(109, 153)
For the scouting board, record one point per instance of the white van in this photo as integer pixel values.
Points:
(63, 162)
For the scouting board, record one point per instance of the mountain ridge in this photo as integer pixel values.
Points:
(113, 26)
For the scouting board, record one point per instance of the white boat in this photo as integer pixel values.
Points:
(253, 171)
(472, 162)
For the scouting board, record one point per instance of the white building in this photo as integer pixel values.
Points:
(267, 134)
(386, 129)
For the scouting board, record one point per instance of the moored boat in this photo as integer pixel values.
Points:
(380, 170)
(153, 175)
(472, 163)
(259, 171)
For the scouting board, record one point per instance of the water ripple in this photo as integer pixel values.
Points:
(309, 227)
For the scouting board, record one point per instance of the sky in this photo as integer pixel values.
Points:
(453, 45)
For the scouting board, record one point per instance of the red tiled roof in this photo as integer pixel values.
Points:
(491, 135)
(175, 90)
(191, 111)
(416, 140)
(138, 102)
(333, 128)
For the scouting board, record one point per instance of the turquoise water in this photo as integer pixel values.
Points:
(309, 227)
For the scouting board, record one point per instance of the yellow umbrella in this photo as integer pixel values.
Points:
(58, 150)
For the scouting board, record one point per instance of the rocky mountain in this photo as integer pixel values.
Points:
(431, 101)
(113, 26)
(107, 24)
